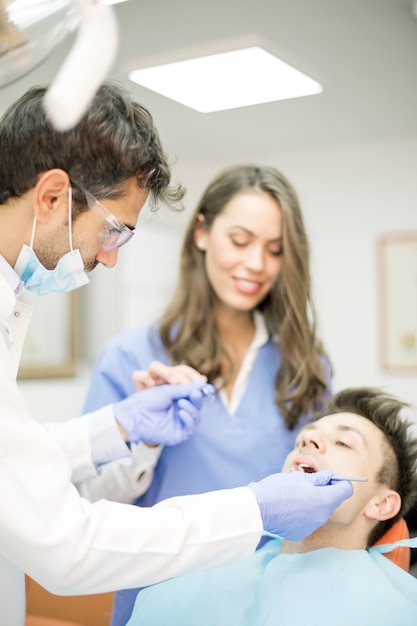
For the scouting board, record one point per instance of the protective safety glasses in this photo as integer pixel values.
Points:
(114, 234)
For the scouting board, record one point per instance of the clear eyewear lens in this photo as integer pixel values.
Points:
(114, 234)
(112, 238)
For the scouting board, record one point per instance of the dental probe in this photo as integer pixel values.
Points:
(352, 479)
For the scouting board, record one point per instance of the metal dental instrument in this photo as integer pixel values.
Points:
(352, 479)
(208, 392)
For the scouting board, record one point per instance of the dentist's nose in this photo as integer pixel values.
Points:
(107, 257)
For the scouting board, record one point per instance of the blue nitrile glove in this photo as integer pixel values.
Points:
(166, 414)
(294, 505)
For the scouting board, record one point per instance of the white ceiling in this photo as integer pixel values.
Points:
(364, 52)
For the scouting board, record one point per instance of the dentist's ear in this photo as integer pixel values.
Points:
(51, 187)
(383, 506)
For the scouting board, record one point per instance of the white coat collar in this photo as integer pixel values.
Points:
(10, 275)
(7, 288)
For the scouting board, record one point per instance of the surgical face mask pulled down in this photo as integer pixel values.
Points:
(69, 273)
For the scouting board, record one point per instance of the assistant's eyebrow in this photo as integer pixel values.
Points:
(249, 232)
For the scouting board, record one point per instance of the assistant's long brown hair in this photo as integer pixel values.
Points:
(188, 328)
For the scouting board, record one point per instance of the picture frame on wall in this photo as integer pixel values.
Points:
(50, 348)
(397, 259)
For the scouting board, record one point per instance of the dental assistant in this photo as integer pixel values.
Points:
(68, 201)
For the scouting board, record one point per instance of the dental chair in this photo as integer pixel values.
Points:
(399, 556)
(38, 620)
(46, 609)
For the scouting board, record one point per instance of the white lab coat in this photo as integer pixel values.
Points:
(71, 546)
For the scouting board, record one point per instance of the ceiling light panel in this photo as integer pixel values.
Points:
(227, 80)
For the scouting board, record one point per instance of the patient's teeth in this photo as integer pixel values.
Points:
(306, 468)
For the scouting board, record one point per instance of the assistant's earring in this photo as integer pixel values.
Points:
(200, 245)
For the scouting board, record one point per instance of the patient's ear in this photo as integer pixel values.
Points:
(383, 506)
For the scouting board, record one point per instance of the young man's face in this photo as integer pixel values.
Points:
(346, 444)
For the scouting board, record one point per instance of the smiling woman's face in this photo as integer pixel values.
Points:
(243, 249)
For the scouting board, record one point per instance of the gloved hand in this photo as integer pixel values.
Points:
(293, 505)
(164, 415)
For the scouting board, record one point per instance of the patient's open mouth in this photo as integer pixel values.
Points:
(307, 469)
(304, 463)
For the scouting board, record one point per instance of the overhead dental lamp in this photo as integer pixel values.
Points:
(31, 29)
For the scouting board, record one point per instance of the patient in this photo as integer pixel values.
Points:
(331, 576)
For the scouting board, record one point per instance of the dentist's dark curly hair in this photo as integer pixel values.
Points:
(115, 140)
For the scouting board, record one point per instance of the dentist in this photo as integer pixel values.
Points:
(68, 201)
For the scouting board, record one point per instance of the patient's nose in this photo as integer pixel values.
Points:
(313, 439)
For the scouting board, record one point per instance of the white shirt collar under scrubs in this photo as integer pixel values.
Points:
(260, 338)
